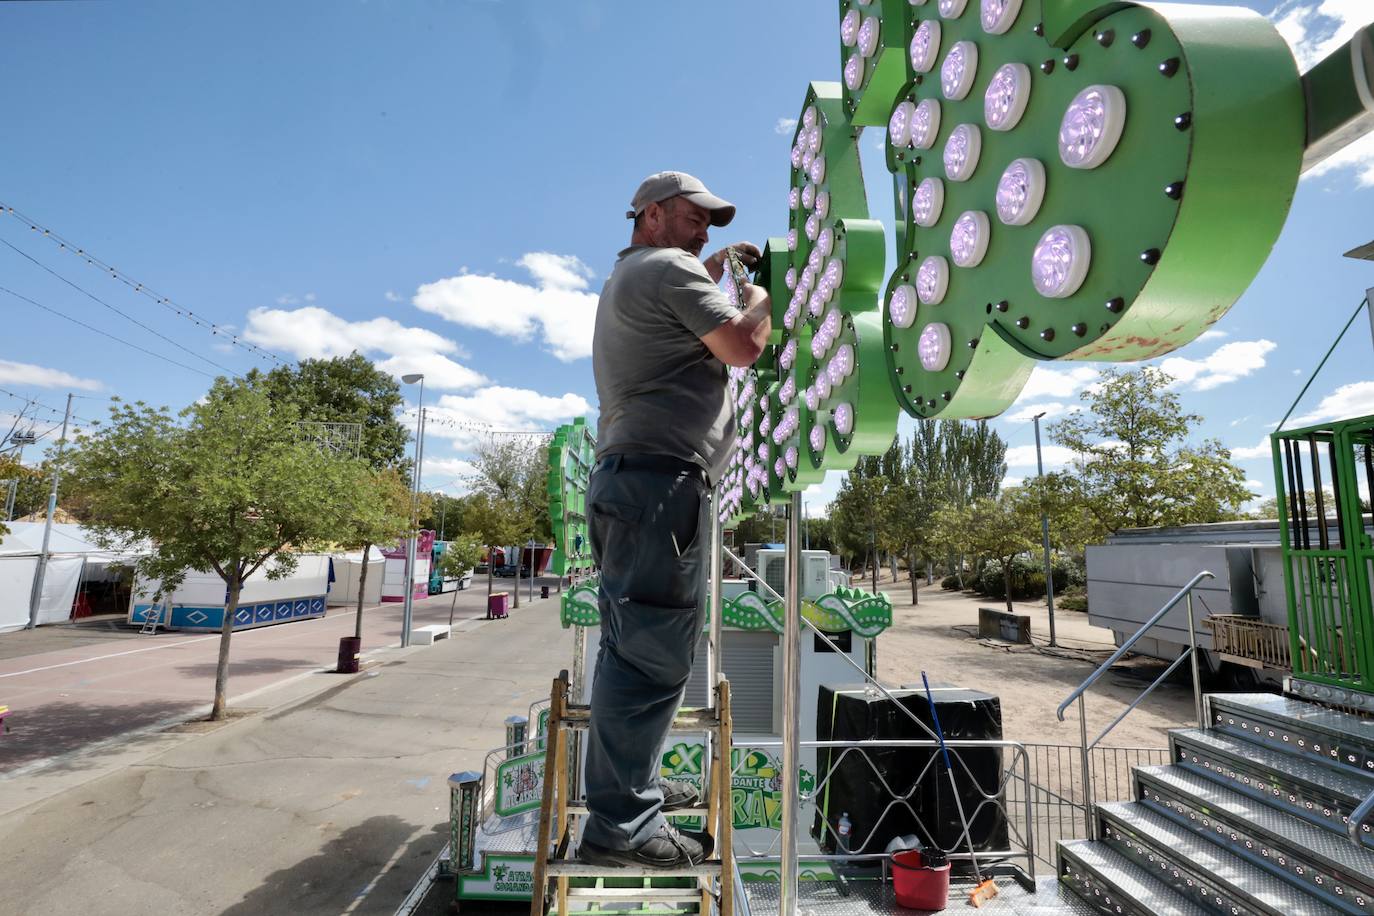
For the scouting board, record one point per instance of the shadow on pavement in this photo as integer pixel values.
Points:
(346, 875)
(60, 728)
(257, 666)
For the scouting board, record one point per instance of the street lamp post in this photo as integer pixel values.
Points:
(409, 606)
(36, 597)
(1045, 530)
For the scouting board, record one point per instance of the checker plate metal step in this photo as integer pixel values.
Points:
(1321, 793)
(1197, 866)
(1306, 729)
(1114, 884)
(1324, 863)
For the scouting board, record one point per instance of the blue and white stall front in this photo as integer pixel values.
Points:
(198, 603)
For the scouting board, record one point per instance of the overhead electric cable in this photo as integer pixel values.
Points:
(125, 315)
(48, 407)
(141, 288)
(166, 359)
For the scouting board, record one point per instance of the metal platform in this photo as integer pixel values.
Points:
(876, 898)
(510, 835)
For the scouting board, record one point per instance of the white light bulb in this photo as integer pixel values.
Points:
(825, 242)
(815, 302)
(925, 124)
(808, 279)
(844, 418)
(808, 157)
(998, 16)
(933, 347)
(779, 469)
(831, 324)
(813, 138)
(1092, 127)
(808, 196)
(968, 241)
(817, 438)
(823, 203)
(849, 28)
(789, 317)
(788, 390)
(834, 273)
(813, 261)
(1008, 92)
(809, 116)
(1060, 261)
(959, 69)
(844, 358)
(823, 387)
(932, 280)
(899, 125)
(765, 451)
(1020, 192)
(962, 149)
(790, 278)
(854, 72)
(791, 240)
(868, 35)
(817, 346)
(832, 372)
(790, 456)
(817, 169)
(812, 400)
(793, 199)
(788, 355)
(952, 9)
(925, 46)
(927, 202)
(901, 307)
(813, 226)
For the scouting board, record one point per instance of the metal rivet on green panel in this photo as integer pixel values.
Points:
(834, 400)
(1076, 180)
(571, 454)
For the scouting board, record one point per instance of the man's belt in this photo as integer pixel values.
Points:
(662, 464)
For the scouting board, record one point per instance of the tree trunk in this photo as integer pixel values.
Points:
(874, 558)
(517, 578)
(1006, 582)
(911, 571)
(452, 606)
(217, 710)
(491, 561)
(930, 572)
(362, 590)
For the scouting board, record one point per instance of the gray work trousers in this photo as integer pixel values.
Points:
(648, 532)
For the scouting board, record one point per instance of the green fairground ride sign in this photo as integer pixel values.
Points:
(571, 455)
(1072, 180)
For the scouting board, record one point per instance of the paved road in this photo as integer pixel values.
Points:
(331, 799)
(81, 686)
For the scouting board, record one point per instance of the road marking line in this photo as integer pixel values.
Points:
(82, 661)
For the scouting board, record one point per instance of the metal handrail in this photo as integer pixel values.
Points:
(1090, 825)
(1357, 818)
(1126, 646)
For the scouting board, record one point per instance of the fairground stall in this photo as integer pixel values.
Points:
(198, 603)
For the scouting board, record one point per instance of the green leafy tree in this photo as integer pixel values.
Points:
(856, 511)
(351, 389)
(445, 514)
(1135, 468)
(912, 499)
(231, 489)
(494, 522)
(380, 515)
(461, 555)
(513, 471)
(1002, 527)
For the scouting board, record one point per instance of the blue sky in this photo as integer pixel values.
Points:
(443, 184)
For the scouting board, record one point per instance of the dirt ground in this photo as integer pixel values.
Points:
(940, 635)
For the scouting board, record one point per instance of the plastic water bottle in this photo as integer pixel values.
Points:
(846, 828)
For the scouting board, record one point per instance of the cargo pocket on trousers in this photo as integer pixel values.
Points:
(615, 542)
(660, 642)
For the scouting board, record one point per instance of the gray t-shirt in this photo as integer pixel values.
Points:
(661, 390)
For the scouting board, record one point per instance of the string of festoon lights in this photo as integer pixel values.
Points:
(484, 429)
(46, 408)
(141, 288)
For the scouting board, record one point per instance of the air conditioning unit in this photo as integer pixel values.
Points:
(815, 572)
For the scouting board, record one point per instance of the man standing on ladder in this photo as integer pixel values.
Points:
(664, 334)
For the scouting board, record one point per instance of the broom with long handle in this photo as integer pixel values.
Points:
(985, 889)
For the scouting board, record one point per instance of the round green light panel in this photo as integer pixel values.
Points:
(1073, 181)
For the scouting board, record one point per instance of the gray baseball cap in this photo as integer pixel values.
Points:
(661, 186)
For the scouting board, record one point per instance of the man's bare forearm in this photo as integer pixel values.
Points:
(757, 319)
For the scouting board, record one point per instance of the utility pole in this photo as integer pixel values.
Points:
(37, 597)
(407, 608)
(1045, 531)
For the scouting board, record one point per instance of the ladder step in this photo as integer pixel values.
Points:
(580, 809)
(647, 894)
(577, 716)
(575, 868)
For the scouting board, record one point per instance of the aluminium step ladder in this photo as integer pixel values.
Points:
(602, 888)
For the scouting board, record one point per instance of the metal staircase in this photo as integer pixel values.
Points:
(1253, 816)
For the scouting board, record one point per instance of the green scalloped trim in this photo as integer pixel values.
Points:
(861, 612)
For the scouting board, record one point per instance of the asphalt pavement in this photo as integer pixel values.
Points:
(327, 794)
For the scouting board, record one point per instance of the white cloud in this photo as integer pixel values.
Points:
(1255, 486)
(1009, 481)
(391, 296)
(1247, 453)
(1027, 413)
(1212, 335)
(1057, 383)
(1314, 30)
(1227, 363)
(453, 476)
(1353, 400)
(785, 126)
(558, 304)
(13, 373)
(311, 332)
(1023, 456)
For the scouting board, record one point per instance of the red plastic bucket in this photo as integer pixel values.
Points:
(918, 886)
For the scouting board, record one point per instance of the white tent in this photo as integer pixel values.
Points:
(73, 558)
(348, 569)
(198, 604)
